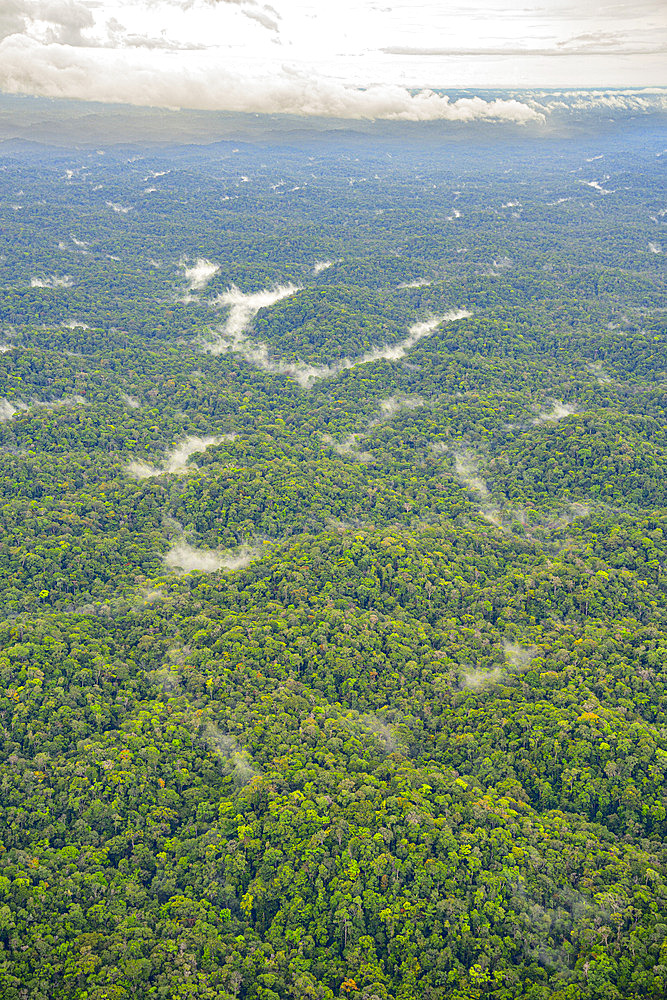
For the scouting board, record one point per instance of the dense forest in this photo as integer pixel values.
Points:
(333, 567)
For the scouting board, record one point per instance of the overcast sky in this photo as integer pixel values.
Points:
(310, 57)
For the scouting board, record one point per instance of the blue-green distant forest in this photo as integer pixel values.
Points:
(333, 563)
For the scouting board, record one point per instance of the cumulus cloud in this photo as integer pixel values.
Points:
(61, 21)
(12, 17)
(231, 54)
(172, 80)
(65, 21)
(68, 18)
(642, 101)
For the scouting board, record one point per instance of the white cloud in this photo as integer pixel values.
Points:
(12, 18)
(176, 461)
(597, 187)
(479, 678)
(61, 21)
(200, 273)
(189, 559)
(322, 265)
(262, 17)
(69, 19)
(9, 410)
(233, 339)
(356, 59)
(242, 309)
(558, 411)
(51, 281)
(175, 80)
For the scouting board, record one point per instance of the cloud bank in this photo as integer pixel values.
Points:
(177, 80)
(350, 60)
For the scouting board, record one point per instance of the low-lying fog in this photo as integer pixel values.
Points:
(465, 468)
(187, 558)
(558, 412)
(176, 459)
(52, 281)
(9, 410)
(242, 309)
(232, 337)
(349, 446)
(200, 273)
(322, 265)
